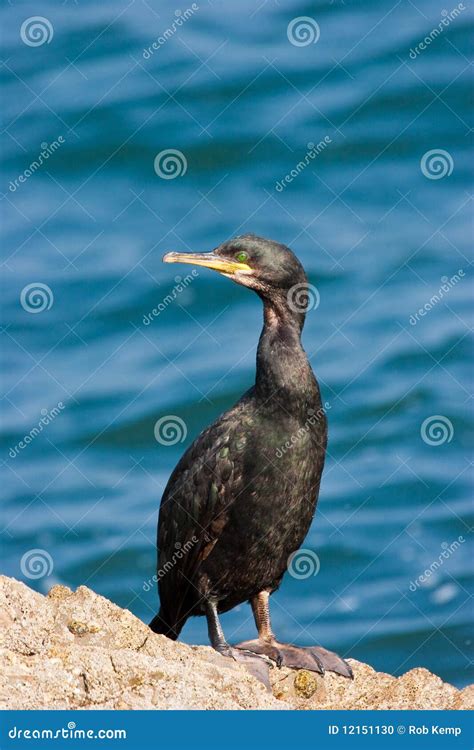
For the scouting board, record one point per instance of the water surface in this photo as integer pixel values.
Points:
(377, 234)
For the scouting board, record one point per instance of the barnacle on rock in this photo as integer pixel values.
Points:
(82, 628)
(305, 683)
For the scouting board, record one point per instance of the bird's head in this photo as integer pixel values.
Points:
(267, 267)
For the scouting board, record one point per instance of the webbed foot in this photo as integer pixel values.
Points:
(257, 664)
(312, 658)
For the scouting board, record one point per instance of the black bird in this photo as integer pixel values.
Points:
(241, 499)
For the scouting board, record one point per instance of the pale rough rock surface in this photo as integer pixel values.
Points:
(78, 650)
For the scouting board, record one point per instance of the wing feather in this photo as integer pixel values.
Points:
(194, 510)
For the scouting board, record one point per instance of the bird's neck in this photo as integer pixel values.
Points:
(284, 375)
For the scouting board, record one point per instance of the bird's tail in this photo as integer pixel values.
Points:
(164, 625)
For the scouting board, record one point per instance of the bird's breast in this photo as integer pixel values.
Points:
(281, 464)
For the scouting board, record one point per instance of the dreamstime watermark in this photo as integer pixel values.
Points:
(302, 31)
(314, 149)
(448, 550)
(447, 284)
(36, 297)
(47, 416)
(47, 149)
(36, 563)
(446, 19)
(66, 733)
(437, 430)
(313, 417)
(436, 164)
(170, 430)
(170, 163)
(303, 563)
(303, 297)
(36, 31)
(181, 550)
(181, 18)
(180, 285)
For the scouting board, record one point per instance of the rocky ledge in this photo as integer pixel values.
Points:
(78, 650)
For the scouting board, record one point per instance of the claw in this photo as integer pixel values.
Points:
(319, 664)
(331, 661)
(251, 655)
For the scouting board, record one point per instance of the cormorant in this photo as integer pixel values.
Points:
(241, 499)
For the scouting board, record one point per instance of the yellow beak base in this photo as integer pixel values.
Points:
(208, 260)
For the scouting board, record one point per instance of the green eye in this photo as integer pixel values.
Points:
(241, 257)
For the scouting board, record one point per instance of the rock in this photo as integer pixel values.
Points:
(78, 650)
(416, 689)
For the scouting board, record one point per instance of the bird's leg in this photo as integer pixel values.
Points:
(214, 627)
(256, 664)
(313, 658)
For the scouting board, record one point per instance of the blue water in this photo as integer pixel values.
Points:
(375, 231)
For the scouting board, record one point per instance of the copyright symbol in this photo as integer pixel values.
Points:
(401, 729)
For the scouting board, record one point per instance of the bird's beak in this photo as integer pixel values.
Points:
(209, 260)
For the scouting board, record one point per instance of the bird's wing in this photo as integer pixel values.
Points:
(194, 508)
